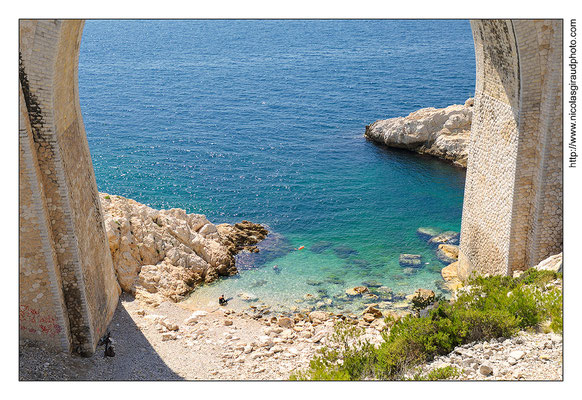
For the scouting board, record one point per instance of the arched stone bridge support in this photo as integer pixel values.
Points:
(512, 211)
(68, 289)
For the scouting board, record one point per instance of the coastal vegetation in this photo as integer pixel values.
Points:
(486, 308)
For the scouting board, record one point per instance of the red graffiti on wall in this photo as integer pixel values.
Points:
(33, 322)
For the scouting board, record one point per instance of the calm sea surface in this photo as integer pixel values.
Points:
(264, 121)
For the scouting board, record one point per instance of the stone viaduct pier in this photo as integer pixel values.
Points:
(512, 213)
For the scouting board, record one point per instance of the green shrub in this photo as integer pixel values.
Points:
(438, 374)
(492, 307)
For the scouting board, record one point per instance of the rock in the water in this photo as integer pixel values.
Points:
(447, 253)
(248, 297)
(356, 291)
(320, 247)
(384, 292)
(344, 251)
(370, 297)
(410, 260)
(443, 133)
(335, 280)
(427, 232)
(372, 284)
(448, 237)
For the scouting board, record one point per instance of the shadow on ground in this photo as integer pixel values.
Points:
(135, 358)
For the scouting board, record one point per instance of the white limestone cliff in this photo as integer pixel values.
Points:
(165, 254)
(442, 132)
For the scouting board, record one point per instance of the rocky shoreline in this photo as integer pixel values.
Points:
(170, 342)
(443, 132)
(166, 254)
(161, 256)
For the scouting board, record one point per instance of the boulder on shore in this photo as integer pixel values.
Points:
(422, 297)
(449, 274)
(447, 253)
(448, 237)
(552, 263)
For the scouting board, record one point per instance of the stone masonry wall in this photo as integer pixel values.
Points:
(42, 312)
(512, 211)
(86, 278)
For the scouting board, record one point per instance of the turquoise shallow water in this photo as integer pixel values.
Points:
(264, 121)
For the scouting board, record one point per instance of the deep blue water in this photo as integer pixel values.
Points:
(264, 121)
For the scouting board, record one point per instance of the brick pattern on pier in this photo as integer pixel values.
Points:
(512, 211)
(55, 159)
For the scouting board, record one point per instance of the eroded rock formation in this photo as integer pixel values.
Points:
(165, 254)
(442, 132)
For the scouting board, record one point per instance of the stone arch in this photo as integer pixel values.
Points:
(512, 213)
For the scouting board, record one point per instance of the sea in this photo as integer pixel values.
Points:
(263, 120)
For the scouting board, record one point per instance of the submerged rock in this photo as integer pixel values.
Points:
(320, 247)
(335, 280)
(272, 247)
(443, 133)
(410, 260)
(383, 292)
(372, 284)
(249, 297)
(259, 283)
(427, 233)
(344, 251)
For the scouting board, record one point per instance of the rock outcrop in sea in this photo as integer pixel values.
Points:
(442, 132)
(165, 254)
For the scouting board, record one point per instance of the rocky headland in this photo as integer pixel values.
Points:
(442, 132)
(166, 254)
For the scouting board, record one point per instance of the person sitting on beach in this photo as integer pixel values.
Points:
(222, 301)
